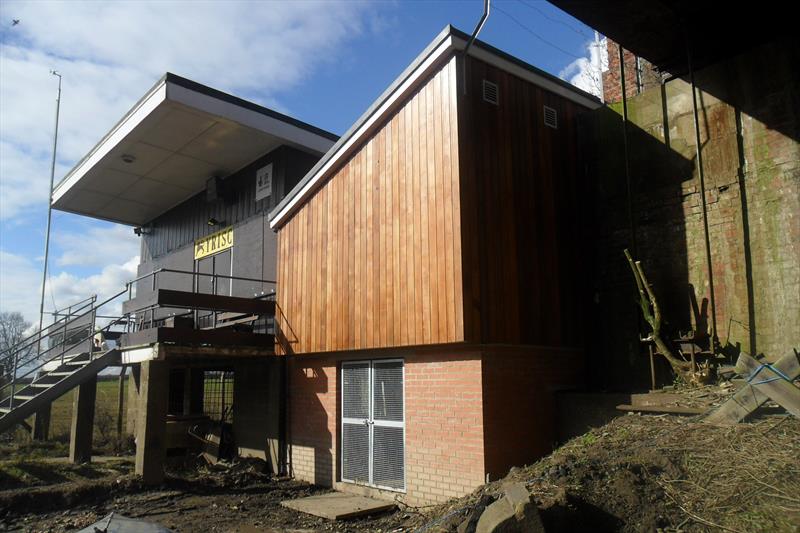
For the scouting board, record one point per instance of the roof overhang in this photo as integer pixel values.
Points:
(447, 43)
(662, 31)
(165, 149)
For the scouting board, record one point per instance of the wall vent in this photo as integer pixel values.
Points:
(550, 117)
(490, 93)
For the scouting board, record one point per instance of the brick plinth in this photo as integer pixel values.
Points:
(468, 413)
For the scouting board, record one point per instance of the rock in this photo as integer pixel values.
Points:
(469, 524)
(513, 513)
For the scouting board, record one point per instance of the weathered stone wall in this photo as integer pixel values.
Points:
(751, 157)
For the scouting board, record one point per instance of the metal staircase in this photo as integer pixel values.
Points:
(72, 350)
(49, 386)
(51, 362)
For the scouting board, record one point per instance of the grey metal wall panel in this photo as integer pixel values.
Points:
(168, 241)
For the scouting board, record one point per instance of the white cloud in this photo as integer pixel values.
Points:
(96, 245)
(20, 278)
(20, 285)
(111, 53)
(587, 72)
(108, 282)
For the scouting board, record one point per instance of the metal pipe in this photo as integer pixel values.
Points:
(475, 32)
(701, 175)
(599, 56)
(631, 223)
(49, 211)
(479, 26)
(639, 82)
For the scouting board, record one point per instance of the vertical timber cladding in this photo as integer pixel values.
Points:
(522, 214)
(373, 258)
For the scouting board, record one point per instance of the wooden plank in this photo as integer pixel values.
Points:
(216, 337)
(749, 398)
(402, 232)
(338, 505)
(770, 383)
(440, 275)
(209, 302)
(670, 409)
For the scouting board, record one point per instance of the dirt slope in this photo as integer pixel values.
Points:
(650, 473)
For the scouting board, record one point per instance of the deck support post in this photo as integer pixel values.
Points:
(151, 421)
(80, 438)
(133, 400)
(41, 424)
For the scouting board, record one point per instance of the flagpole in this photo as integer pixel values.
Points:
(49, 211)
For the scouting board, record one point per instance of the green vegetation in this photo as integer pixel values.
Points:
(105, 425)
(105, 414)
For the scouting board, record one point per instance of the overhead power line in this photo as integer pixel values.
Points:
(532, 32)
(553, 19)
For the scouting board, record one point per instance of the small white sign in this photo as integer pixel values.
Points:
(264, 182)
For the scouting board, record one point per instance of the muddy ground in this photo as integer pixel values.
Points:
(637, 473)
(237, 497)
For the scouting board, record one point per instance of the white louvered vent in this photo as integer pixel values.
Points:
(490, 93)
(388, 465)
(355, 412)
(550, 117)
(373, 423)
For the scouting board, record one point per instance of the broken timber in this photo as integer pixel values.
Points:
(764, 382)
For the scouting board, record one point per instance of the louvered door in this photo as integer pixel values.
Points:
(373, 423)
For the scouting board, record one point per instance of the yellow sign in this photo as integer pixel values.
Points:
(214, 243)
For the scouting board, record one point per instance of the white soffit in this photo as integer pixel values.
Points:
(179, 135)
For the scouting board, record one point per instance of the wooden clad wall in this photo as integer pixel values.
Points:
(373, 258)
(522, 214)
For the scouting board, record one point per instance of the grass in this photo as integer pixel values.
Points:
(105, 422)
(105, 411)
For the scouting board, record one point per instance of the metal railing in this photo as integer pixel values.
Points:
(197, 318)
(25, 354)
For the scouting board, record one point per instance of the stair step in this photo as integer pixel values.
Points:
(5, 410)
(59, 374)
(23, 397)
(41, 385)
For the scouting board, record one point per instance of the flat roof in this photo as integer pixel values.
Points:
(449, 41)
(164, 150)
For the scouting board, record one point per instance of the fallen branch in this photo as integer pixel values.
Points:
(652, 314)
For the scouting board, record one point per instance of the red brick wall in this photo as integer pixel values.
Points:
(313, 419)
(444, 431)
(612, 89)
(466, 414)
(444, 426)
(519, 408)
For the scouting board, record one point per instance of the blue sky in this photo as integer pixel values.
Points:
(321, 62)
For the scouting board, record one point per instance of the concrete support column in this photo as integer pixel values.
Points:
(151, 423)
(41, 423)
(40, 430)
(276, 415)
(133, 400)
(80, 438)
(258, 406)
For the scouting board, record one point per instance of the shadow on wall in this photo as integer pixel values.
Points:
(310, 440)
(763, 83)
(658, 176)
(748, 117)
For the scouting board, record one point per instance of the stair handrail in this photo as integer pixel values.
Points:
(93, 333)
(36, 336)
(14, 351)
